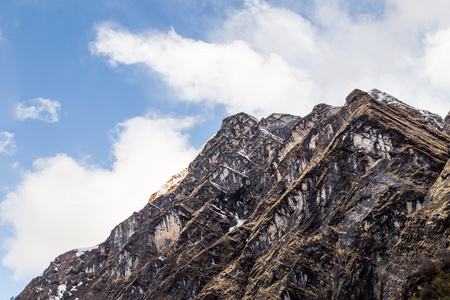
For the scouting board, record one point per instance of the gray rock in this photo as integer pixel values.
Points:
(343, 203)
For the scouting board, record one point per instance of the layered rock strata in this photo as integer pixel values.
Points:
(343, 203)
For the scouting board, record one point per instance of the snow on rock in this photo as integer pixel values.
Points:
(265, 132)
(74, 288)
(239, 222)
(384, 97)
(83, 250)
(170, 185)
(220, 212)
(59, 292)
(235, 171)
(432, 119)
(242, 153)
(358, 189)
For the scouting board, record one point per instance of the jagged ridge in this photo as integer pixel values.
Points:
(342, 203)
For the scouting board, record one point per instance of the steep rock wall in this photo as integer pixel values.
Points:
(341, 204)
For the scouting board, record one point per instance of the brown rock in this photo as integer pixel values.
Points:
(343, 203)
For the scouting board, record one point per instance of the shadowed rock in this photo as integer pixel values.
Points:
(343, 203)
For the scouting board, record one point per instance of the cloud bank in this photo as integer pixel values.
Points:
(437, 58)
(231, 73)
(39, 109)
(265, 59)
(62, 204)
(7, 144)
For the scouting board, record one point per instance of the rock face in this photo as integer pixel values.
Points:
(343, 203)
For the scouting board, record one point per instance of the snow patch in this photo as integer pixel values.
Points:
(59, 292)
(243, 154)
(265, 132)
(83, 250)
(433, 119)
(218, 186)
(235, 171)
(220, 212)
(39, 289)
(239, 222)
(384, 97)
(74, 288)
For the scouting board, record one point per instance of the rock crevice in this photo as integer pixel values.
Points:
(342, 203)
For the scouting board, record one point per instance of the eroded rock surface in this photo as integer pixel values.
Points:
(343, 203)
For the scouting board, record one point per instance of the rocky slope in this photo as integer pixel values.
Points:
(343, 203)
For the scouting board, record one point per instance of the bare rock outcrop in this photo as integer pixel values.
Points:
(343, 203)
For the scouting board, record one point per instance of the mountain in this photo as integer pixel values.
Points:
(344, 203)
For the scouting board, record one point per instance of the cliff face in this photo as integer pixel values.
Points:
(343, 203)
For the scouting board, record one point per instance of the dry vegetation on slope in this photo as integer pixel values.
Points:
(343, 203)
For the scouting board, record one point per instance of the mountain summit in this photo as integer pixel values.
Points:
(343, 203)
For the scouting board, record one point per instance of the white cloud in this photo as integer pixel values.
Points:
(7, 144)
(270, 30)
(64, 204)
(266, 59)
(437, 57)
(40, 109)
(417, 15)
(230, 73)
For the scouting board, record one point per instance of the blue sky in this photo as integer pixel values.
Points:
(103, 101)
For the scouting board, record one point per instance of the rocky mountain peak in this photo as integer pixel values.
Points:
(320, 107)
(431, 119)
(238, 124)
(384, 97)
(343, 203)
(356, 95)
(279, 124)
